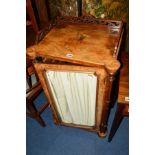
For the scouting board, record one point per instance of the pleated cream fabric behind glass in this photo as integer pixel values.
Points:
(74, 95)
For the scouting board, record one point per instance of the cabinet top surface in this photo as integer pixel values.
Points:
(87, 44)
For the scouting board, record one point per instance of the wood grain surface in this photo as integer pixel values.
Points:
(87, 44)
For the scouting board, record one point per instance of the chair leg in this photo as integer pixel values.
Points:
(34, 113)
(28, 79)
(116, 122)
(40, 120)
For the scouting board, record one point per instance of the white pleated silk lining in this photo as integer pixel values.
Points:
(74, 95)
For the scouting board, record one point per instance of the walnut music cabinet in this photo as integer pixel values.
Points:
(76, 61)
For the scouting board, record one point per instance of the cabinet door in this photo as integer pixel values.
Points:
(75, 93)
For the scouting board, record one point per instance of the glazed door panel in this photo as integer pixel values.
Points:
(76, 93)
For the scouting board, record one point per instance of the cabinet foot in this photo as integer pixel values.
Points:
(102, 134)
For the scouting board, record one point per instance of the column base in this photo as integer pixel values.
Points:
(102, 134)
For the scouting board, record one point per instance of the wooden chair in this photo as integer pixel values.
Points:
(32, 93)
(37, 18)
(123, 96)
